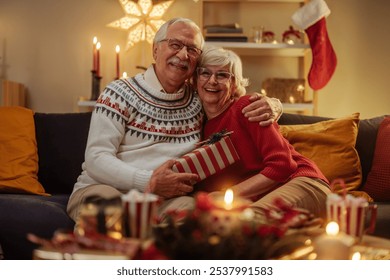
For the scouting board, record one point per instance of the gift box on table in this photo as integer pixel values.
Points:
(215, 154)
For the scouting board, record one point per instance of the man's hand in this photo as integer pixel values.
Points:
(168, 184)
(263, 109)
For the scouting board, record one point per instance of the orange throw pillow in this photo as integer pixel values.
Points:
(378, 179)
(18, 152)
(331, 145)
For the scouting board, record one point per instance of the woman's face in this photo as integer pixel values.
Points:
(215, 85)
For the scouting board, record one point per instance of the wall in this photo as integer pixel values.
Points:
(359, 30)
(47, 45)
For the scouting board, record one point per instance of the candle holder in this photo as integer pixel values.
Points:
(95, 85)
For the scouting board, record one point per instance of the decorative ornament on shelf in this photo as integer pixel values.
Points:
(142, 20)
(292, 36)
(269, 37)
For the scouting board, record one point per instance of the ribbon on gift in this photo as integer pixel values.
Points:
(215, 154)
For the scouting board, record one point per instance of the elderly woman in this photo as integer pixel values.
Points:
(269, 167)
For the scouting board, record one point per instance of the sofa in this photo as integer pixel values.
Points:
(60, 144)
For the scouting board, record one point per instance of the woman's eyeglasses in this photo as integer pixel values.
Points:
(205, 74)
(177, 45)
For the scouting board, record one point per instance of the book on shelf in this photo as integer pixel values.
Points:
(208, 34)
(217, 29)
(223, 28)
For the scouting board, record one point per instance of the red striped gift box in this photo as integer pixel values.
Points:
(208, 159)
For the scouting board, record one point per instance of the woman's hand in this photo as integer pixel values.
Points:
(263, 109)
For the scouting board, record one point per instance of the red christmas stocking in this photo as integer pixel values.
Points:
(311, 18)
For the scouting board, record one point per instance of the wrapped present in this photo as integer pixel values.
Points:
(350, 212)
(215, 154)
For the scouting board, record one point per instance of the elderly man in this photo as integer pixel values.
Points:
(141, 124)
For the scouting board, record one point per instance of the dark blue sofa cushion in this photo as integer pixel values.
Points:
(22, 214)
(61, 140)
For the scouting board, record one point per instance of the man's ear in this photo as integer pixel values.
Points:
(155, 51)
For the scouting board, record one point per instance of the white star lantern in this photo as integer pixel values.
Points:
(142, 20)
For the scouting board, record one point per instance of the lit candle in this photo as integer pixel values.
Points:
(228, 199)
(117, 50)
(98, 45)
(124, 75)
(333, 245)
(226, 217)
(94, 41)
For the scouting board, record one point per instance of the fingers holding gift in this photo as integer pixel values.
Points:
(167, 183)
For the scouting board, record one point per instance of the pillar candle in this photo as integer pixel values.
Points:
(225, 217)
(333, 245)
(117, 49)
(94, 54)
(98, 45)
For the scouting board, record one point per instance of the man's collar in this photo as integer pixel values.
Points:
(152, 80)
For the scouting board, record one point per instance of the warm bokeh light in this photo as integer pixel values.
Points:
(228, 199)
(332, 228)
(356, 256)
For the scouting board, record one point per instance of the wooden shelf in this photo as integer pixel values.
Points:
(264, 49)
(86, 103)
(265, 1)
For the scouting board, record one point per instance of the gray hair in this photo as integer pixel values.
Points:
(161, 34)
(217, 56)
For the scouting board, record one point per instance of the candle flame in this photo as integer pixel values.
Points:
(98, 45)
(332, 228)
(124, 75)
(356, 256)
(117, 49)
(228, 198)
(94, 40)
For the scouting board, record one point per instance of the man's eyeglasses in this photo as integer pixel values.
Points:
(177, 45)
(205, 74)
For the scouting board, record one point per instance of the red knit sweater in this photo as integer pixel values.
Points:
(261, 149)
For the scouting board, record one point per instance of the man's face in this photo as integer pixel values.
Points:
(174, 66)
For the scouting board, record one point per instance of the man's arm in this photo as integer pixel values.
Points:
(263, 109)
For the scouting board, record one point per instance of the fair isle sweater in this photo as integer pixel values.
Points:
(261, 149)
(134, 129)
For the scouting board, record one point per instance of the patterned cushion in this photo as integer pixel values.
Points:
(378, 180)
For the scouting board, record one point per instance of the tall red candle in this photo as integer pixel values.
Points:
(98, 59)
(94, 54)
(117, 49)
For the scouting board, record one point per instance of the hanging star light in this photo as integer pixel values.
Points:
(142, 20)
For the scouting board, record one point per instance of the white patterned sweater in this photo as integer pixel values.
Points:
(136, 128)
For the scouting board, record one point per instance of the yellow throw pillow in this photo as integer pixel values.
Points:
(331, 145)
(18, 152)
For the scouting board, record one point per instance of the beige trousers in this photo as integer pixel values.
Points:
(301, 192)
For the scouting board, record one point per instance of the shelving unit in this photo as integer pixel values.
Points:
(264, 60)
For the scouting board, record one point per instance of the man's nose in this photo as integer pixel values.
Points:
(183, 53)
